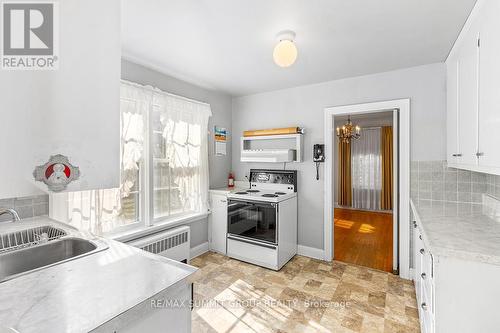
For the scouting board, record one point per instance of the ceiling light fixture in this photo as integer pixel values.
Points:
(285, 52)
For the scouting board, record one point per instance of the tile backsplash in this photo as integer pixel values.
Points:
(26, 206)
(434, 180)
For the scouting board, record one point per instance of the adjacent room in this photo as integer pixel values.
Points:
(255, 166)
(365, 178)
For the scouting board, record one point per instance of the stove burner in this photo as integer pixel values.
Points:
(280, 193)
(269, 195)
(241, 193)
(253, 191)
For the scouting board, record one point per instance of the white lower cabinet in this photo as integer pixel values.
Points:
(454, 295)
(168, 311)
(424, 283)
(218, 223)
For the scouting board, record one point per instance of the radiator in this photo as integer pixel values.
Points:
(173, 244)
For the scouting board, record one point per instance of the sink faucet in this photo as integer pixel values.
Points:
(15, 215)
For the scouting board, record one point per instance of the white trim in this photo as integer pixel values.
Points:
(310, 252)
(404, 174)
(139, 233)
(395, 190)
(198, 250)
(412, 274)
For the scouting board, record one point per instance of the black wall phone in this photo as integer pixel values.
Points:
(318, 157)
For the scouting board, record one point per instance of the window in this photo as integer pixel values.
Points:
(164, 166)
(179, 131)
(366, 167)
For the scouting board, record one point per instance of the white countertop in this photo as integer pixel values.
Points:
(82, 294)
(460, 230)
(239, 185)
(227, 190)
(222, 190)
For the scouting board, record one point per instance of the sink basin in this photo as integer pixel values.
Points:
(19, 262)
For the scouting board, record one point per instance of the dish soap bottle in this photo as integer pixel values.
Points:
(230, 180)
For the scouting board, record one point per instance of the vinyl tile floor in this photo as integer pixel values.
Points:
(306, 295)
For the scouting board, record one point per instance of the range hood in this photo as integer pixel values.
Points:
(268, 155)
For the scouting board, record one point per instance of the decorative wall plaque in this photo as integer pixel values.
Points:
(57, 173)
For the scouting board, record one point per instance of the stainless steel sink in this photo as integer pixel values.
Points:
(19, 262)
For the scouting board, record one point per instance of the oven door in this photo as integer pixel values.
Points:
(254, 221)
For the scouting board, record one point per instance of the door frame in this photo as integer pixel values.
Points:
(402, 210)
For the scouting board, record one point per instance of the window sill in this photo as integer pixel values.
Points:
(158, 227)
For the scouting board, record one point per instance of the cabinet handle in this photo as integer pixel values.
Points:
(414, 224)
(420, 237)
(479, 154)
(456, 155)
(424, 306)
(223, 201)
(423, 275)
(422, 251)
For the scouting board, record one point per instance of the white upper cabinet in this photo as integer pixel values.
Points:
(473, 92)
(468, 59)
(452, 147)
(73, 111)
(489, 83)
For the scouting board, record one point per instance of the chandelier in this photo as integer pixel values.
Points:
(348, 131)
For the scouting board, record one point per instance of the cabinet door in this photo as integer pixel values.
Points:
(468, 97)
(489, 87)
(218, 223)
(452, 148)
(417, 262)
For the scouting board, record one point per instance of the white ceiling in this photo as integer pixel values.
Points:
(227, 44)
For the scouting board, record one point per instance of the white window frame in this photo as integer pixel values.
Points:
(149, 224)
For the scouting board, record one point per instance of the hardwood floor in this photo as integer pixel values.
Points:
(363, 238)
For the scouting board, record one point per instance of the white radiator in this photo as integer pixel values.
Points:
(173, 244)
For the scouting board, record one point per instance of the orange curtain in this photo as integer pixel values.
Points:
(387, 164)
(344, 188)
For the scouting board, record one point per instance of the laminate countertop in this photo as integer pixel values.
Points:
(82, 294)
(461, 230)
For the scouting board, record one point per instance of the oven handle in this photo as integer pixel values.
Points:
(245, 240)
(232, 202)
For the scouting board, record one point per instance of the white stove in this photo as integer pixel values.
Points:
(262, 220)
(261, 195)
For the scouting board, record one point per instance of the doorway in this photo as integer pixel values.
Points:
(365, 172)
(354, 218)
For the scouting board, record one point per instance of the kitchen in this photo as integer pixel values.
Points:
(162, 158)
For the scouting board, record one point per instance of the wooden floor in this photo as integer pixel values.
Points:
(363, 238)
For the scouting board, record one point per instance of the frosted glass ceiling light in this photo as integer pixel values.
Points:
(285, 52)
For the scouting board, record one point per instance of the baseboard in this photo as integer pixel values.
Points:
(311, 252)
(199, 250)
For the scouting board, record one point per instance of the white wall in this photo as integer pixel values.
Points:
(219, 166)
(304, 106)
(73, 111)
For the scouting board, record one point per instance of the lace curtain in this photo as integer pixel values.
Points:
(183, 125)
(366, 166)
(184, 128)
